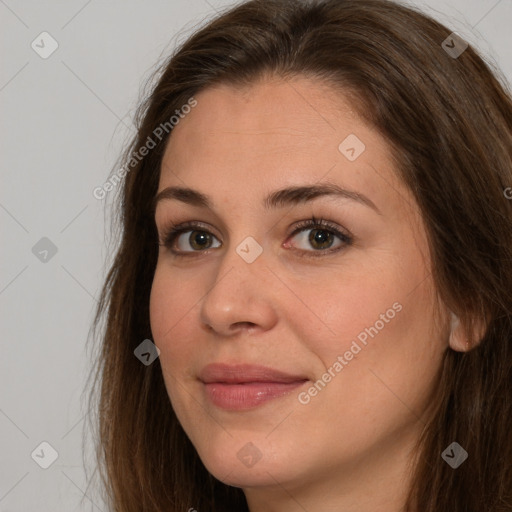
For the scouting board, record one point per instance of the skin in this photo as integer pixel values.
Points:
(349, 448)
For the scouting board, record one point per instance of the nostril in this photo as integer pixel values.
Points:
(248, 325)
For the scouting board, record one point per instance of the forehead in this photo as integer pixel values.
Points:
(273, 112)
(275, 133)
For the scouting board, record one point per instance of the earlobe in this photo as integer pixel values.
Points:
(459, 340)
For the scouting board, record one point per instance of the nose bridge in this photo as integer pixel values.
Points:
(241, 268)
(244, 255)
(240, 293)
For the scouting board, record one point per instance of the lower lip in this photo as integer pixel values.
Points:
(248, 395)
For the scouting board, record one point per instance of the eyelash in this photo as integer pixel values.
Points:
(172, 232)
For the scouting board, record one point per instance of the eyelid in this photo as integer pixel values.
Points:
(320, 223)
(342, 234)
(171, 231)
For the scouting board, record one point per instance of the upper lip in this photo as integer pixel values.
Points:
(240, 373)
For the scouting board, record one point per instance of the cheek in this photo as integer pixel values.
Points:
(170, 319)
(160, 303)
(344, 306)
(389, 348)
(170, 300)
(377, 309)
(171, 308)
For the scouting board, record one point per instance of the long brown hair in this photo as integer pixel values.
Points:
(449, 119)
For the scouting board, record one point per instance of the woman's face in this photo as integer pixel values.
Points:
(340, 315)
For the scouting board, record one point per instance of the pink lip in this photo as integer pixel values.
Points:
(238, 387)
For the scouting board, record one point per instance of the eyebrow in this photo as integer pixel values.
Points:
(278, 199)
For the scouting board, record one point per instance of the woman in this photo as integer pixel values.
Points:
(311, 306)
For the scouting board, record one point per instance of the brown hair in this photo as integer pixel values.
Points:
(450, 122)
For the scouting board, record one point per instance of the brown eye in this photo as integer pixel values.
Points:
(199, 239)
(196, 241)
(320, 237)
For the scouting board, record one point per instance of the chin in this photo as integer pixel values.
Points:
(243, 463)
(261, 475)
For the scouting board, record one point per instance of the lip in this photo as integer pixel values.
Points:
(245, 386)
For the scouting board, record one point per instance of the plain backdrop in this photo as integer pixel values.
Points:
(64, 120)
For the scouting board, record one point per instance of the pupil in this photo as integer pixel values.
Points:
(198, 239)
(320, 237)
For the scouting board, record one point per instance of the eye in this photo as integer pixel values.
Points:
(183, 239)
(323, 236)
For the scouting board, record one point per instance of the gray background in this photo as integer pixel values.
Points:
(64, 121)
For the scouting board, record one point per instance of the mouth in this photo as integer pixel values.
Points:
(240, 387)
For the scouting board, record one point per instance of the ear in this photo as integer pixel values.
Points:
(459, 340)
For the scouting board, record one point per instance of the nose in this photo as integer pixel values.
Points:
(241, 296)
